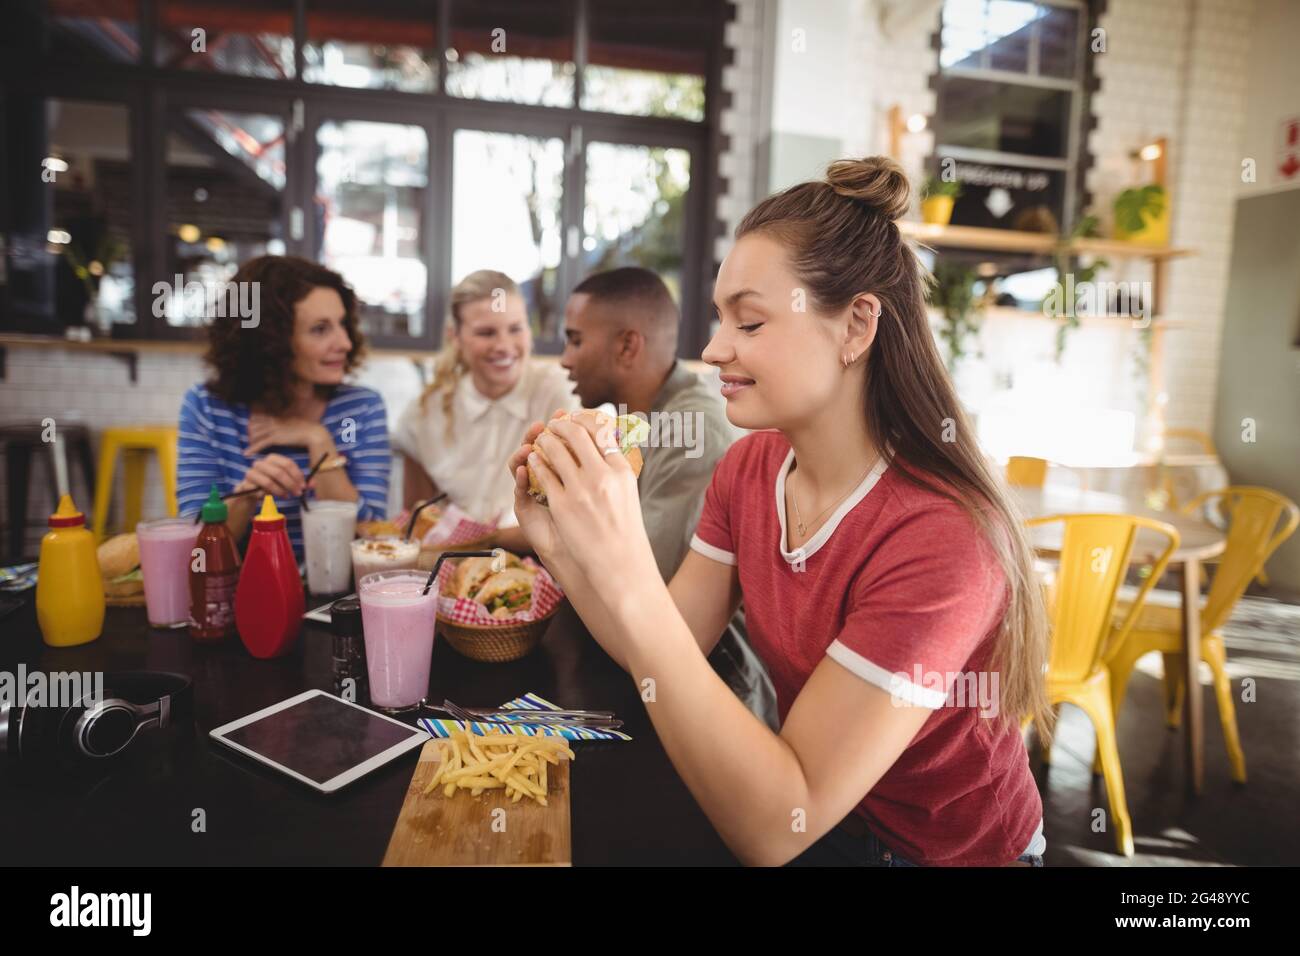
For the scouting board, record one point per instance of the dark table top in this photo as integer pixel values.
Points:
(628, 805)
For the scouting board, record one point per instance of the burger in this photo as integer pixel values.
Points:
(628, 432)
(425, 522)
(506, 592)
(471, 573)
(119, 566)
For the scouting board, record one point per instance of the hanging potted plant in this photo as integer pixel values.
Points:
(1142, 215)
(1054, 305)
(937, 198)
(953, 294)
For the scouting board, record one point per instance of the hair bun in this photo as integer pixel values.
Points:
(875, 180)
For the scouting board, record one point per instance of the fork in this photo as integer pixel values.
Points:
(549, 718)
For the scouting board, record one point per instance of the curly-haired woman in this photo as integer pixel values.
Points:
(276, 402)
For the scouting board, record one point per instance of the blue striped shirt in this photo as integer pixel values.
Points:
(214, 434)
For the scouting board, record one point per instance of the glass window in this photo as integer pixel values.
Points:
(516, 51)
(69, 255)
(224, 204)
(244, 37)
(370, 184)
(95, 29)
(506, 215)
(1006, 117)
(635, 210)
(1008, 34)
(648, 59)
(1058, 42)
(1003, 35)
(382, 44)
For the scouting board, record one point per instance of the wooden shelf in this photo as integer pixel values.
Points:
(1041, 243)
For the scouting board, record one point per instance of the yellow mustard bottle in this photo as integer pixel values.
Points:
(69, 588)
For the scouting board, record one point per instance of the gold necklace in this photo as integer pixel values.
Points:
(798, 518)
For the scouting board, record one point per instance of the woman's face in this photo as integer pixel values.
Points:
(780, 362)
(320, 340)
(495, 344)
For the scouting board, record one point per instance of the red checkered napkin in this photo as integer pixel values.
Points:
(456, 527)
(546, 595)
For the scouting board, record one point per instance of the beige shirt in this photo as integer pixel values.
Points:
(470, 466)
(688, 424)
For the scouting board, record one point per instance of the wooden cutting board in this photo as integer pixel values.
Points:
(436, 830)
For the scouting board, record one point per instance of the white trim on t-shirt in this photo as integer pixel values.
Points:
(710, 551)
(810, 547)
(895, 682)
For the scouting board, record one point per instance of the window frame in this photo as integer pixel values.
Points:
(1076, 86)
(151, 92)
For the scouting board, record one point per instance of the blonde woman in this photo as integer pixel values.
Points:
(485, 390)
(884, 570)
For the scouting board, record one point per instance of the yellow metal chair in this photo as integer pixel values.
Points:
(1026, 472)
(1095, 552)
(1254, 533)
(134, 444)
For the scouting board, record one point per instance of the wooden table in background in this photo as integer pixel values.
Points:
(1198, 542)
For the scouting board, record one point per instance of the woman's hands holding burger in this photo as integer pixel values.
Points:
(591, 526)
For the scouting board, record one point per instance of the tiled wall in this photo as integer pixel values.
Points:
(1172, 68)
(1177, 68)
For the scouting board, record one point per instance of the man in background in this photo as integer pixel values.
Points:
(621, 349)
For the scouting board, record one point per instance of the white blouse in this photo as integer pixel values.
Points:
(471, 465)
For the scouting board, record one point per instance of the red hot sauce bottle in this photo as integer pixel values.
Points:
(213, 581)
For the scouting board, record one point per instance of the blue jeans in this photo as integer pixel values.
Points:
(839, 848)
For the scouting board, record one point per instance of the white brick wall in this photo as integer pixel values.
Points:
(1177, 68)
(1172, 68)
(94, 390)
(897, 63)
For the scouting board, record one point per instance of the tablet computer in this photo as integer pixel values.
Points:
(319, 739)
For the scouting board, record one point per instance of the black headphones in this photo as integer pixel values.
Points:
(94, 729)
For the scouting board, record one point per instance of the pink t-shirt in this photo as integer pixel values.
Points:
(900, 587)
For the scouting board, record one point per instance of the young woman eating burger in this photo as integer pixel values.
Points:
(885, 574)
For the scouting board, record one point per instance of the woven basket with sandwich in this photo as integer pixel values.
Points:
(496, 614)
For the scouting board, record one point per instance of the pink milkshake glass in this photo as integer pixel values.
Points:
(398, 622)
(166, 547)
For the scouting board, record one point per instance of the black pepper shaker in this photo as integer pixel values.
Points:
(349, 650)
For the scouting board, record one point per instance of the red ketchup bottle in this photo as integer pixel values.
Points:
(269, 601)
(212, 583)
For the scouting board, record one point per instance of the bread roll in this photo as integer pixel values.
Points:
(628, 431)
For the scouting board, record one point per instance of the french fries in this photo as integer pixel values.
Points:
(512, 762)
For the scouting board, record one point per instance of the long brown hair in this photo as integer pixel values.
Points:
(448, 367)
(253, 365)
(842, 241)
